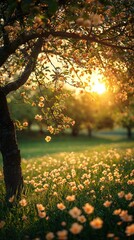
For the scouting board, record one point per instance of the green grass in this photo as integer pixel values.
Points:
(36, 146)
(94, 170)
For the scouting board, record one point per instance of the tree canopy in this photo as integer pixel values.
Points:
(49, 44)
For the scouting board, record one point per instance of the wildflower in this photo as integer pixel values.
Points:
(128, 151)
(47, 138)
(86, 182)
(70, 198)
(42, 99)
(76, 228)
(80, 186)
(74, 188)
(63, 224)
(62, 235)
(41, 104)
(11, 199)
(50, 129)
(130, 230)
(110, 235)
(128, 196)
(107, 204)
(121, 194)
(75, 212)
(125, 217)
(25, 124)
(61, 206)
(88, 208)
(38, 117)
(45, 186)
(49, 236)
(96, 223)
(117, 211)
(55, 194)
(41, 214)
(130, 182)
(2, 224)
(81, 219)
(131, 204)
(73, 123)
(40, 207)
(23, 202)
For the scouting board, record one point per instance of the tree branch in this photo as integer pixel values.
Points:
(28, 69)
(5, 52)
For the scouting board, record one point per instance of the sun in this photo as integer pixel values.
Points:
(96, 84)
(98, 87)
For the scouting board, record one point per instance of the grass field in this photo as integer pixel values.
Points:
(35, 146)
(75, 188)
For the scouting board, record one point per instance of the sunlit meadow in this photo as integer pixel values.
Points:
(72, 195)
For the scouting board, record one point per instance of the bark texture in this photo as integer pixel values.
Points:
(10, 152)
(129, 132)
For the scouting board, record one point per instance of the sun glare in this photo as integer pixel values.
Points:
(96, 85)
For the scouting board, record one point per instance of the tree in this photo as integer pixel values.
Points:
(81, 34)
(124, 114)
(21, 111)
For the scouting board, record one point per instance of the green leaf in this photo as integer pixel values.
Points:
(52, 6)
(11, 7)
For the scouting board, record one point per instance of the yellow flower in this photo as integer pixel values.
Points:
(23, 202)
(50, 129)
(41, 214)
(107, 203)
(117, 211)
(131, 204)
(128, 196)
(40, 207)
(130, 230)
(81, 219)
(61, 206)
(125, 216)
(121, 194)
(70, 198)
(75, 212)
(42, 98)
(62, 235)
(41, 104)
(96, 223)
(25, 124)
(110, 235)
(49, 236)
(38, 117)
(11, 199)
(88, 208)
(76, 228)
(47, 138)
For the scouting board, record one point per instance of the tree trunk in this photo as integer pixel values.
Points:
(129, 132)
(10, 152)
(89, 131)
(75, 132)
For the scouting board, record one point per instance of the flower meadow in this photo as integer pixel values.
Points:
(81, 196)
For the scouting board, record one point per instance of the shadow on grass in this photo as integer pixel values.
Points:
(36, 146)
(33, 145)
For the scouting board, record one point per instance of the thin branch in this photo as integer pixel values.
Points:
(27, 71)
(5, 52)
